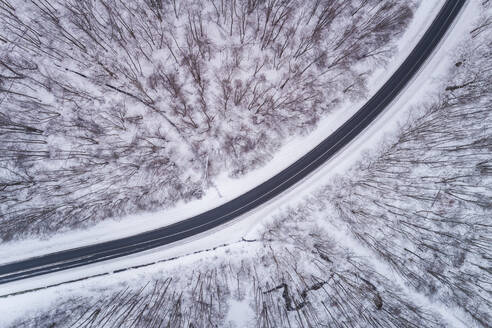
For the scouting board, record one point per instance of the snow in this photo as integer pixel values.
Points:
(247, 226)
(231, 188)
(452, 316)
(239, 313)
(43, 299)
(225, 188)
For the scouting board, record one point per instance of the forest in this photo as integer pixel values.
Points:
(415, 245)
(111, 107)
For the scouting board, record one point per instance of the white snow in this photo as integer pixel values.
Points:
(225, 188)
(420, 88)
(239, 313)
(452, 315)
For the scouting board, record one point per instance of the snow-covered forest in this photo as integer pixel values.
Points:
(113, 107)
(404, 239)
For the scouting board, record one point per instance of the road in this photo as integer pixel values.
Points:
(266, 191)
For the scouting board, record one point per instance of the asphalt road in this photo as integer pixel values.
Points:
(276, 185)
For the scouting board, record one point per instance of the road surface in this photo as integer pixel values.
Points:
(274, 186)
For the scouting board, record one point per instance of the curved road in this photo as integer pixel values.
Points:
(257, 196)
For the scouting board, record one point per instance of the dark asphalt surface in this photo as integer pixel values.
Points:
(296, 172)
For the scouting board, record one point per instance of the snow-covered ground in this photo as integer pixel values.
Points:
(179, 126)
(246, 225)
(227, 188)
(422, 87)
